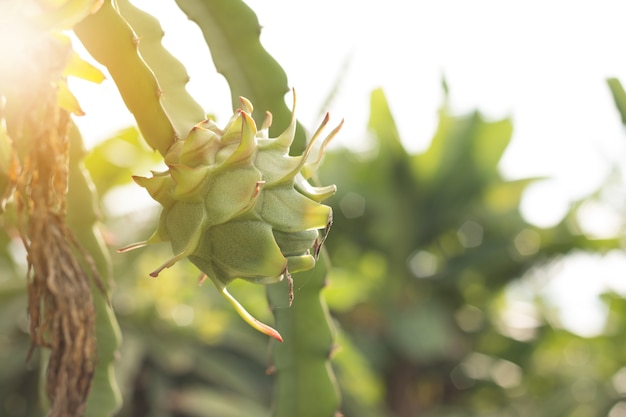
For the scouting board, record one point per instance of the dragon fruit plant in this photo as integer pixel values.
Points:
(239, 206)
(235, 202)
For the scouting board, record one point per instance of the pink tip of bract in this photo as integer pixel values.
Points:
(270, 331)
(243, 313)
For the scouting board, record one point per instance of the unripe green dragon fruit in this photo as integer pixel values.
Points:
(239, 206)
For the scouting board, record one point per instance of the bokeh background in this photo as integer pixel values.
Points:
(477, 251)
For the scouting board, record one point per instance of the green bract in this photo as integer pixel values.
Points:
(239, 206)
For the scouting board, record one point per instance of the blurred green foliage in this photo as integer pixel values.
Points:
(424, 249)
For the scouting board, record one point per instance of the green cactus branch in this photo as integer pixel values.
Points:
(82, 217)
(182, 109)
(231, 31)
(113, 43)
(305, 382)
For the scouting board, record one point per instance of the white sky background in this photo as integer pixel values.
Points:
(544, 63)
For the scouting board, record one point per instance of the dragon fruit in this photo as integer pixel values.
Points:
(239, 206)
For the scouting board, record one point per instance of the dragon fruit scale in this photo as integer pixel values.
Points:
(239, 206)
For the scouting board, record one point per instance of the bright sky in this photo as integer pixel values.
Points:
(544, 63)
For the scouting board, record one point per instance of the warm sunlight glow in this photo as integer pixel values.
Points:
(18, 46)
(37, 56)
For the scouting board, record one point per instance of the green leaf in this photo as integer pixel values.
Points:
(450, 148)
(382, 124)
(489, 143)
(505, 196)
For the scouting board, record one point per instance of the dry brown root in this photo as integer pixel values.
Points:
(60, 304)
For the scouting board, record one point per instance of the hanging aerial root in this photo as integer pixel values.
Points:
(62, 315)
(60, 303)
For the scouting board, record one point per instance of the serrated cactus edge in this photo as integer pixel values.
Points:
(83, 219)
